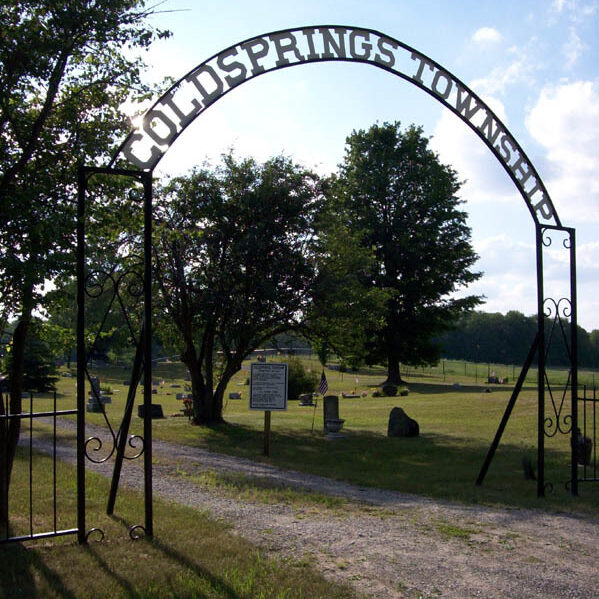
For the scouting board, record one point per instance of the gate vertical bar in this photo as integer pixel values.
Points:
(147, 183)
(574, 364)
(541, 367)
(82, 188)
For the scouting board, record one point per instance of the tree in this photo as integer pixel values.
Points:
(343, 313)
(63, 78)
(234, 265)
(403, 200)
(39, 364)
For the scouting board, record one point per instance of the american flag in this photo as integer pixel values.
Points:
(323, 386)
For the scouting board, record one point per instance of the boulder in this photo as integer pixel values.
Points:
(401, 425)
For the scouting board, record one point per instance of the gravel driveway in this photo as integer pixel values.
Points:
(385, 543)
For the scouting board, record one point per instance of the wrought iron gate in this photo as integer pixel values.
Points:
(127, 289)
(23, 420)
(556, 328)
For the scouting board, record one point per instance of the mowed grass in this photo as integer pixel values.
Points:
(190, 555)
(457, 426)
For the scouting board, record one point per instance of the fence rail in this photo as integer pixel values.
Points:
(26, 439)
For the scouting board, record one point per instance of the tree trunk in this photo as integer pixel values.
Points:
(393, 372)
(206, 407)
(10, 433)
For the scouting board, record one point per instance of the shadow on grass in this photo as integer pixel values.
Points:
(437, 388)
(170, 553)
(20, 567)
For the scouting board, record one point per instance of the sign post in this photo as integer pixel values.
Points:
(268, 391)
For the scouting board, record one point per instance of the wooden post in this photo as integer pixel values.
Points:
(267, 432)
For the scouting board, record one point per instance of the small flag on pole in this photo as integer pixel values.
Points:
(323, 387)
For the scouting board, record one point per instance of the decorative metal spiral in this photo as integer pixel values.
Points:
(134, 283)
(91, 531)
(560, 309)
(95, 282)
(132, 443)
(134, 532)
(546, 237)
(557, 423)
(548, 241)
(98, 448)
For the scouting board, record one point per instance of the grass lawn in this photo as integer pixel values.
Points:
(456, 429)
(190, 556)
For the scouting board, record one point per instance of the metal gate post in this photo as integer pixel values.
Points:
(82, 188)
(541, 366)
(147, 183)
(574, 365)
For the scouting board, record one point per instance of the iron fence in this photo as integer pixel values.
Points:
(24, 420)
(586, 439)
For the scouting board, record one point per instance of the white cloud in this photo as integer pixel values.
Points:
(573, 48)
(486, 35)
(458, 146)
(509, 279)
(565, 121)
(499, 78)
(558, 5)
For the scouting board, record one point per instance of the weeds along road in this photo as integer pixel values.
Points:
(383, 543)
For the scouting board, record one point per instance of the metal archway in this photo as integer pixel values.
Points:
(196, 91)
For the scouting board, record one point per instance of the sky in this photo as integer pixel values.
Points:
(535, 63)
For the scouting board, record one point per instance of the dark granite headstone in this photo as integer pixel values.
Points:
(155, 411)
(330, 407)
(401, 425)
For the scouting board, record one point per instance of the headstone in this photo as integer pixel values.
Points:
(155, 410)
(95, 383)
(584, 448)
(401, 425)
(235, 395)
(330, 406)
(306, 399)
(95, 397)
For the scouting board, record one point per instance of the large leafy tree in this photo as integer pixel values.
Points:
(343, 312)
(63, 77)
(234, 265)
(403, 201)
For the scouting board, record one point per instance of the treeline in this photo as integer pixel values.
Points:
(507, 338)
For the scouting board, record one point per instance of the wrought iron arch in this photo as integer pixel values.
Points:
(214, 78)
(201, 87)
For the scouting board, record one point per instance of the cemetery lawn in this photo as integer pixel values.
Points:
(191, 555)
(457, 426)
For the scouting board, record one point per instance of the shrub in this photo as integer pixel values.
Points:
(389, 390)
(40, 369)
(300, 380)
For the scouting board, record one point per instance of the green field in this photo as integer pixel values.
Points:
(457, 425)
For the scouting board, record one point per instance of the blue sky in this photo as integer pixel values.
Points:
(534, 62)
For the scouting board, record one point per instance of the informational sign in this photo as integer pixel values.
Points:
(268, 386)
